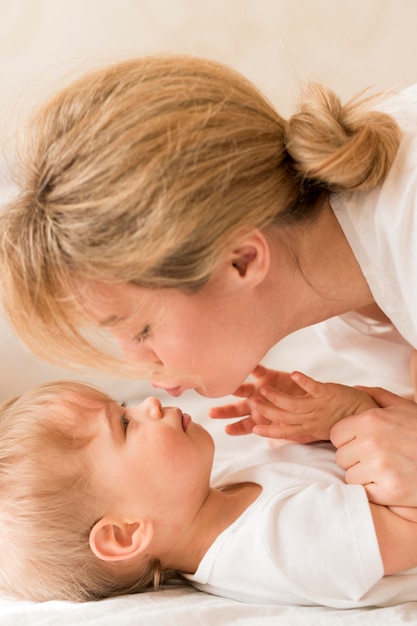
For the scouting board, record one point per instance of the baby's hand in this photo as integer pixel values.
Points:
(249, 391)
(309, 416)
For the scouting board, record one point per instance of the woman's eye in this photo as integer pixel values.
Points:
(143, 335)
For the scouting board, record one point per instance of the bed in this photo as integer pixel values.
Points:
(182, 606)
(179, 604)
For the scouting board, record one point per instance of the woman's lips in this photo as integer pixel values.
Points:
(173, 391)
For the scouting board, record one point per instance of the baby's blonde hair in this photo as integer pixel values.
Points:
(48, 505)
(142, 172)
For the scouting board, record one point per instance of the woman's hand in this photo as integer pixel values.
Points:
(378, 449)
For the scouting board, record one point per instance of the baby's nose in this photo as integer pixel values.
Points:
(153, 407)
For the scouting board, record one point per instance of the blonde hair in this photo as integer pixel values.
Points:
(143, 171)
(48, 505)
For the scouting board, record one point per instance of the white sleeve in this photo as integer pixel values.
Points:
(379, 354)
(324, 539)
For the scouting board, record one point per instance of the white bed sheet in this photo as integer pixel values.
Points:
(184, 606)
(181, 605)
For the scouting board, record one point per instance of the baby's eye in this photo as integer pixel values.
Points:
(123, 418)
(125, 422)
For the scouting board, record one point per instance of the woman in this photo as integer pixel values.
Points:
(166, 204)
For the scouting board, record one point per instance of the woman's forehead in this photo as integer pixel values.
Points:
(114, 306)
(110, 304)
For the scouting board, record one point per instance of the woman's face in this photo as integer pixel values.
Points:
(209, 341)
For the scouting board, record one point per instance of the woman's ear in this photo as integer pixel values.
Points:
(251, 258)
(115, 540)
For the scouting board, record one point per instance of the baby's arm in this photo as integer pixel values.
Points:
(414, 373)
(310, 415)
(397, 539)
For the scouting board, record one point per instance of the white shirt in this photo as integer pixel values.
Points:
(381, 227)
(308, 539)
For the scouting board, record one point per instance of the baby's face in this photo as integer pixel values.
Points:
(149, 461)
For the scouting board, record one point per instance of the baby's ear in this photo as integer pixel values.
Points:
(115, 540)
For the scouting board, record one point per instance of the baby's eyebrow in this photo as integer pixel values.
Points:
(112, 416)
(108, 415)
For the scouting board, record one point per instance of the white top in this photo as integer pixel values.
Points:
(308, 539)
(381, 227)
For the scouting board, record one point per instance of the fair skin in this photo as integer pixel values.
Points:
(260, 292)
(312, 413)
(377, 448)
(212, 340)
(381, 443)
(151, 469)
(413, 369)
(306, 415)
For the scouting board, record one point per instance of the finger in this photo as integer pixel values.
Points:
(379, 495)
(280, 400)
(259, 371)
(308, 384)
(385, 398)
(245, 390)
(347, 456)
(277, 431)
(272, 412)
(343, 431)
(243, 427)
(373, 491)
(227, 411)
(358, 474)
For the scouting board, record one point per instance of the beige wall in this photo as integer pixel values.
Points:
(279, 44)
(347, 44)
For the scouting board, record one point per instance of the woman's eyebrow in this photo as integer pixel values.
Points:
(112, 320)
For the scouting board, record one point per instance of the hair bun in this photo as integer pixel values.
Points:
(346, 147)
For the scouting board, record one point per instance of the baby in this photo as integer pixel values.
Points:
(99, 499)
